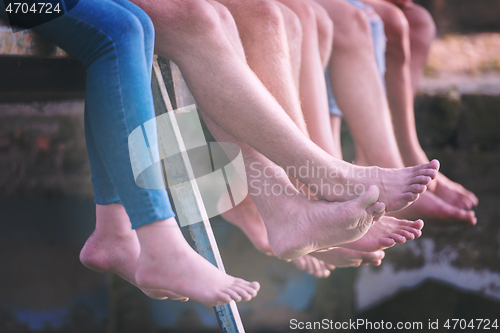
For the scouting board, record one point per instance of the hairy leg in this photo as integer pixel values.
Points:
(261, 25)
(191, 35)
(312, 85)
(297, 226)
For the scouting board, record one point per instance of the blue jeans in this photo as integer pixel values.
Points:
(114, 39)
(379, 43)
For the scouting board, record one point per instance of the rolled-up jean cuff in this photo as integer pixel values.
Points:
(148, 215)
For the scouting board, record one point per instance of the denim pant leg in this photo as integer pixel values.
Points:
(109, 39)
(104, 191)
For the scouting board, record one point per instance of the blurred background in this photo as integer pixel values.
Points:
(47, 211)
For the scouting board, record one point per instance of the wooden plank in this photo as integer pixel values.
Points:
(189, 195)
(26, 43)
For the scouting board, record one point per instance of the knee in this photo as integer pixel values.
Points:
(421, 23)
(294, 25)
(397, 31)
(147, 26)
(260, 18)
(325, 27)
(187, 17)
(352, 30)
(305, 13)
(127, 30)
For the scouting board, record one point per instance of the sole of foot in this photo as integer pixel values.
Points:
(385, 233)
(302, 226)
(246, 217)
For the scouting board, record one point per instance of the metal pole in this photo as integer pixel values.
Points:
(190, 199)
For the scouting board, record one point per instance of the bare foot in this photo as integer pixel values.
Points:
(454, 193)
(436, 211)
(340, 257)
(398, 187)
(386, 233)
(114, 248)
(168, 262)
(313, 266)
(297, 226)
(118, 255)
(246, 217)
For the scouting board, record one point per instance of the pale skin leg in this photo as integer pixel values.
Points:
(388, 231)
(347, 40)
(262, 29)
(297, 226)
(293, 245)
(355, 83)
(266, 126)
(422, 33)
(312, 87)
(401, 88)
(246, 215)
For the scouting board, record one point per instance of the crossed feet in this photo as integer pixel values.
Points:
(384, 233)
(158, 260)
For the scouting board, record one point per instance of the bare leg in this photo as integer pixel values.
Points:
(422, 33)
(231, 94)
(400, 95)
(398, 80)
(297, 226)
(357, 86)
(336, 124)
(261, 25)
(246, 215)
(312, 84)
